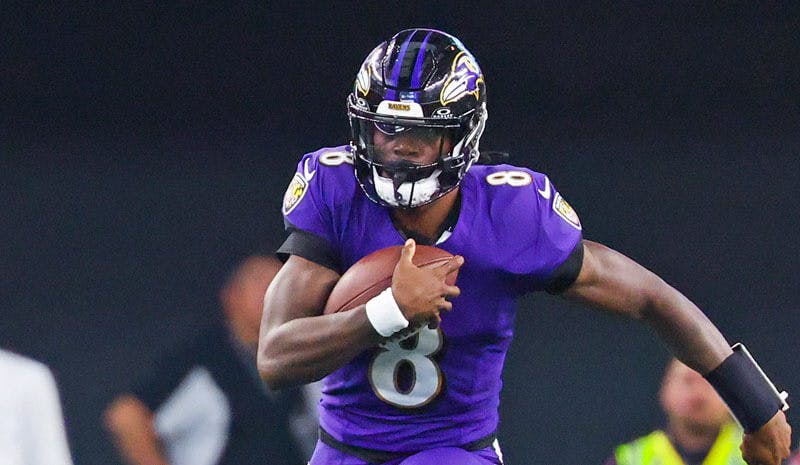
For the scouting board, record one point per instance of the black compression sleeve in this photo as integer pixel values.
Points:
(309, 246)
(567, 272)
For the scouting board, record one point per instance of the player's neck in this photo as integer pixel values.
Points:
(427, 220)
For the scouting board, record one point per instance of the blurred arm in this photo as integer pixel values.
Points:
(131, 423)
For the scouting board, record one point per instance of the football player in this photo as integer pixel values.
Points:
(409, 175)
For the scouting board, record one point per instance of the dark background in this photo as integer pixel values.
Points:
(144, 149)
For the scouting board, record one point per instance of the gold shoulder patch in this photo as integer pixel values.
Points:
(565, 210)
(294, 193)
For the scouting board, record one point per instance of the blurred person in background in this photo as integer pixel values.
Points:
(31, 423)
(699, 429)
(204, 404)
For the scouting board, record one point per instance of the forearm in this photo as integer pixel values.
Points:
(131, 424)
(613, 282)
(306, 349)
(685, 329)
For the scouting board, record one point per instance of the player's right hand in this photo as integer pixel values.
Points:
(770, 445)
(421, 293)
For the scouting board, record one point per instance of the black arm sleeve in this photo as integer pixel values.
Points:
(567, 272)
(309, 246)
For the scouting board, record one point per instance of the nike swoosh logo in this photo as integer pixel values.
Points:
(546, 192)
(308, 174)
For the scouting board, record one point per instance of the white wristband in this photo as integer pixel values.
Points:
(384, 314)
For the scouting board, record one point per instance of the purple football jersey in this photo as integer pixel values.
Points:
(440, 387)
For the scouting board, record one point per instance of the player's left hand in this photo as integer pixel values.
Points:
(770, 445)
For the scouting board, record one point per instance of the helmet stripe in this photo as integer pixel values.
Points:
(416, 76)
(391, 94)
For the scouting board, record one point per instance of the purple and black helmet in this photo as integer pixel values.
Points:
(422, 80)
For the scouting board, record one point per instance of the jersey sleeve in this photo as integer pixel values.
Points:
(544, 247)
(557, 237)
(306, 211)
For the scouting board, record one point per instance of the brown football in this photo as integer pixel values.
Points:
(372, 274)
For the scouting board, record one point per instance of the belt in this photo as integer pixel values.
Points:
(376, 457)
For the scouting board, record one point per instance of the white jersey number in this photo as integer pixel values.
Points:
(414, 352)
(512, 178)
(336, 158)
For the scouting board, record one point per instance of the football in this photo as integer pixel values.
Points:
(372, 274)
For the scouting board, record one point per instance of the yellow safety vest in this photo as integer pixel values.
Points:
(656, 449)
